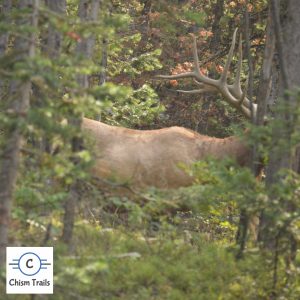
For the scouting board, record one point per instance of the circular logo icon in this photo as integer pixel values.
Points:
(29, 264)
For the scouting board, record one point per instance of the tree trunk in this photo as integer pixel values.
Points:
(267, 95)
(289, 61)
(5, 13)
(286, 26)
(87, 11)
(218, 13)
(69, 215)
(52, 42)
(20, 100)
(267, 76)
(102, 76)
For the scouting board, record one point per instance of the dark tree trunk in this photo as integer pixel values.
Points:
(245, 218)
(102, 76)
(267, 96)
(218, 12)
(147, 6)
(87, 11)
(19, 105)
(51, 47)
(5, 13)
(52, 42)
(69, 215)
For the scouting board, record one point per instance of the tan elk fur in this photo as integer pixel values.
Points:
(144, 158)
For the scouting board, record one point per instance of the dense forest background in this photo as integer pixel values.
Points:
(234, 234)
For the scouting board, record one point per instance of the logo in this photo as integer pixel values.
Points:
(29, 270)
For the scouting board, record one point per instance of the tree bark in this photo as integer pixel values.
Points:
(52, 42)
(20, 101)
(87, 11)
(267, 95)
(286, 17)
(268, 75)
(287, 41)
(218, 12)
(5, 13)
(102, 76)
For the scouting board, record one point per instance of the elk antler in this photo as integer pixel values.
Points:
(232, 93)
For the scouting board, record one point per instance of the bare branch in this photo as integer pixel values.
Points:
(245, 92)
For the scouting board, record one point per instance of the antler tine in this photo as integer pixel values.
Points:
(199, 76)
(237, 82)
(199, 91)
(206, 87)
(177, 76)
(203, 89)
(196, 57)
(224, 75)
(236, 88)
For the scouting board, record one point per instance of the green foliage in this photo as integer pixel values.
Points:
(139, 107)
(196, 17)
(114, 263)
(124, 60)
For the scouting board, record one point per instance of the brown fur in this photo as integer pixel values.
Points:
(153, 157)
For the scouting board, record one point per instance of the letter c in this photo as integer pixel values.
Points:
(27, 265)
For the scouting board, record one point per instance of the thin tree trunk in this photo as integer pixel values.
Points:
(102, 76)
(87, 11)
(147, 7)
(267, 92)
(104, 51)
(266, 76)
(5, 13)
(242, 233)
(52, 42)
(69, 215)
(20, 101)
(218, 12)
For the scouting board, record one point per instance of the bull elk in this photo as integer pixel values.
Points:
(153, 157)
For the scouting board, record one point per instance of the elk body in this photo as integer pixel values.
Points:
(153, 157)
(144, 158)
